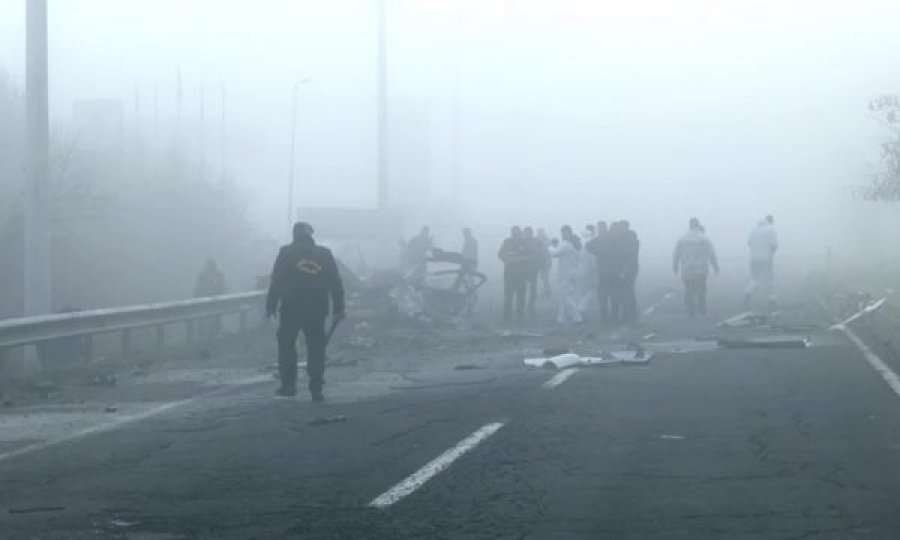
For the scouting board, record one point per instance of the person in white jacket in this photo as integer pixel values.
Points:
(763, 244)
(693, 256)
(567, 252)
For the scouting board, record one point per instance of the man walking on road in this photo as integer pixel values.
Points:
(763, 243)
(694, 255)
(514, 254)
(304, 278)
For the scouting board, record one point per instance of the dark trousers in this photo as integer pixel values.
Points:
(624, 299)
(313, 327)
(695, 295)
(606, 286)
(515, 284)
(531, 285)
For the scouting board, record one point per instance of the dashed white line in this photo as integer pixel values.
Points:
(416, 480)
(560, 378)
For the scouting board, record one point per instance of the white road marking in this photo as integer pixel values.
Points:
(416, 480)
(125, 420)
(653, 307)
(889, 376)
(560, 377)
(868, 309)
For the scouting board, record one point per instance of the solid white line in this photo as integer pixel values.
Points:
(560, 378)
(654, 307)
(868, 309)
(889, 376)
(125, 420)
(438, 464)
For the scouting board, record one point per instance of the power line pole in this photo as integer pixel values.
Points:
(383, 166)
(37, 219)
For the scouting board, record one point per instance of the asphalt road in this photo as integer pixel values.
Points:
(714, 443)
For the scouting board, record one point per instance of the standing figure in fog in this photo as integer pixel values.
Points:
(602, 248)
(567, 251)
(763, 244)
(304, 278)
(514, 255)
(535, 257)
(694, 255)
(546, 262)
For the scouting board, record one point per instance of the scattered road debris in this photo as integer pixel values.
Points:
(672, 437)
(746, 319)
(37, 509)
(606, 358)
(361, 342)
(555, 351)
(651, 335)
(110, 409)
(518, 334)
(764, 342)
(467, 367)
(123, 524)
(324, 420)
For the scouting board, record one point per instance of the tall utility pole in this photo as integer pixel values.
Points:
(383, 168)
(37, 219)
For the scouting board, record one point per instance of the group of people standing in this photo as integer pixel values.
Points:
(600, 267)
(694, 256)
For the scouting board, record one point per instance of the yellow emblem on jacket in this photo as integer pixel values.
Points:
(309, 267)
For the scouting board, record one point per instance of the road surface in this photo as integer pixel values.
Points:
(706, 443)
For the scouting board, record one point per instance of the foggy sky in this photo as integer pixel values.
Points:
(569, 110)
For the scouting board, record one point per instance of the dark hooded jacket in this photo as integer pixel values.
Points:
(305, 276)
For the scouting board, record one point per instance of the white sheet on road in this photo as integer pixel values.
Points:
(569, 360)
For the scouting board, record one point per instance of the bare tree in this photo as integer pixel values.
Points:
(885, 185)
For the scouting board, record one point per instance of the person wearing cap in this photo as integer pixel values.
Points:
(305, 277)
(694, 254)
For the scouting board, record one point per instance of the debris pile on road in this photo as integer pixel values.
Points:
(631, 356)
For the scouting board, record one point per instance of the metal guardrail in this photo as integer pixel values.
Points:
(85, 324)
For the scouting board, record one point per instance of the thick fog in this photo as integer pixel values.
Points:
(501, 113)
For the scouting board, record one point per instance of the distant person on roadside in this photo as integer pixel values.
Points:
(567, 252)
(470, 249)
(210, 282)
(763, 244)
(546, 263)
(603, 250)
(514, 255)
(305, 277)
(693, 256)
(535, 256)
(417, 250)
(626, 252)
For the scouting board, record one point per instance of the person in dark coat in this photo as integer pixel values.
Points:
(305, 277)
(210, 282)
(514, 254)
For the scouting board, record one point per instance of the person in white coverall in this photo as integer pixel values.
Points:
(567, 252)
(763, 244)
(694, 254)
